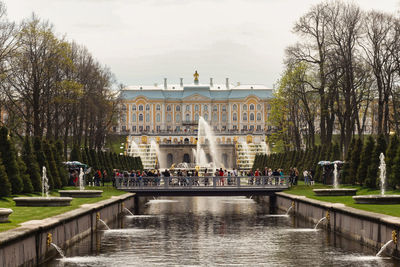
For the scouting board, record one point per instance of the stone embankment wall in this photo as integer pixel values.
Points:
(28, 245)
(369, 228)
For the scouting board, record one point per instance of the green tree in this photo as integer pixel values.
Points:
(5, 188)
(52, 164)
(31, 164)
(75, 154)
(390, 157)
(365, 160)
(26, 180)
(395, 174)
(57, 150)
(347, 163)
(9, 157)
(373, 168)
(42, 161)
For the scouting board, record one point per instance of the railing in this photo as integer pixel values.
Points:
(202, 182)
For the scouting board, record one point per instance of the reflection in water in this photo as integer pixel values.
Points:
(212, 231)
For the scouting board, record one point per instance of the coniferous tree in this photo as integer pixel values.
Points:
(42, 161)
(355, 160)
(5, 188)
(347, 163)
(26, 180)
(57, 150)
(395, 173)
(31, 164)
(75, 154)
(390, 157)
(335, 152)
(372, 180)
(9, 157)
(52, 165)
(365, 160)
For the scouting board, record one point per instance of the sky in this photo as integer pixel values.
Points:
(144, 41)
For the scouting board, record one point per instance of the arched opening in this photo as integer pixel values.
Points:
(186, 158)
(225, 160)
(186, 140)
(209, 158)
(170, 160)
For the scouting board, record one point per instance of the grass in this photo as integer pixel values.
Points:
(23, 214)
(304, 190)
(113, 142)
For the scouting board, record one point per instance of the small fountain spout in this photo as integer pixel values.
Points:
(316, 226)
(128, 211)
(59, 250)
(383, 248)
(335, 177)
(45, 183)
(81, 186)
(288, 210)
(108, 228)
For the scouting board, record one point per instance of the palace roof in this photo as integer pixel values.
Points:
(215, 92)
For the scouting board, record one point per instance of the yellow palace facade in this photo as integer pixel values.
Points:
(176, 108)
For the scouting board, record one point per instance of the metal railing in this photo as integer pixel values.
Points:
(202, 182)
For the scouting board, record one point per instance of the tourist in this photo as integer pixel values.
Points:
(221, 179)
(306, 179)
(312, 173)
(104, 177)
(276, 175)
(296, 175)
(257, 176)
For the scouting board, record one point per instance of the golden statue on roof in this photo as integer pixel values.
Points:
(196, 76)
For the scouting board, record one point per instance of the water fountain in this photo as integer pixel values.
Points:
(81, 193)
(206, 133)
(148, 153)
(128, 211)
(45, 200)
(321, 220)
(104, 223)
(382, 198)
(335, 191)
(383, 248)
(59, 250)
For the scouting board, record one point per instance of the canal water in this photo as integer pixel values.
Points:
(216, 231)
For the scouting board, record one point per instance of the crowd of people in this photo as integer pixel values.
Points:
(207, 177)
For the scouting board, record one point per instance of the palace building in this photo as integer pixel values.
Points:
(168, 115)
(177, 107)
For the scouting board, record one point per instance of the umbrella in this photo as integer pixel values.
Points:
(324, 163)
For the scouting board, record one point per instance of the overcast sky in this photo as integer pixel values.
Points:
(143, 41)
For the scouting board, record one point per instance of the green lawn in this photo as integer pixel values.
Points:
(23, 214)
(393, 210)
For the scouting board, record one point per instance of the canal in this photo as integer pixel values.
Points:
(215, 231)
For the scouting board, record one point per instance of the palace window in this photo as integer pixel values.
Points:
(268, 107)
(133, 128)
(147, 117)
(215, 117)
(244, 107)
(123, 107)
(215, 108)
(178, 108)
(224, 117)
(252, 116)
(258, 116)
(187, 117)
(206, 117)
(147, 107)
(158, 128)
(234, 107)
(245, 116)
(168, 108)
(140, 117)
(258, 107)
(187, 108)
(140, 107)
(133, 117)
(158, 117)
(178, 118)
(196, 108)
(123, 118)
(168, 117)
(251, 107)
(223, 108)
(133, 107)
(196, 117)
(158, 107)
(205, 107)
(258, 127)
(234, 117)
